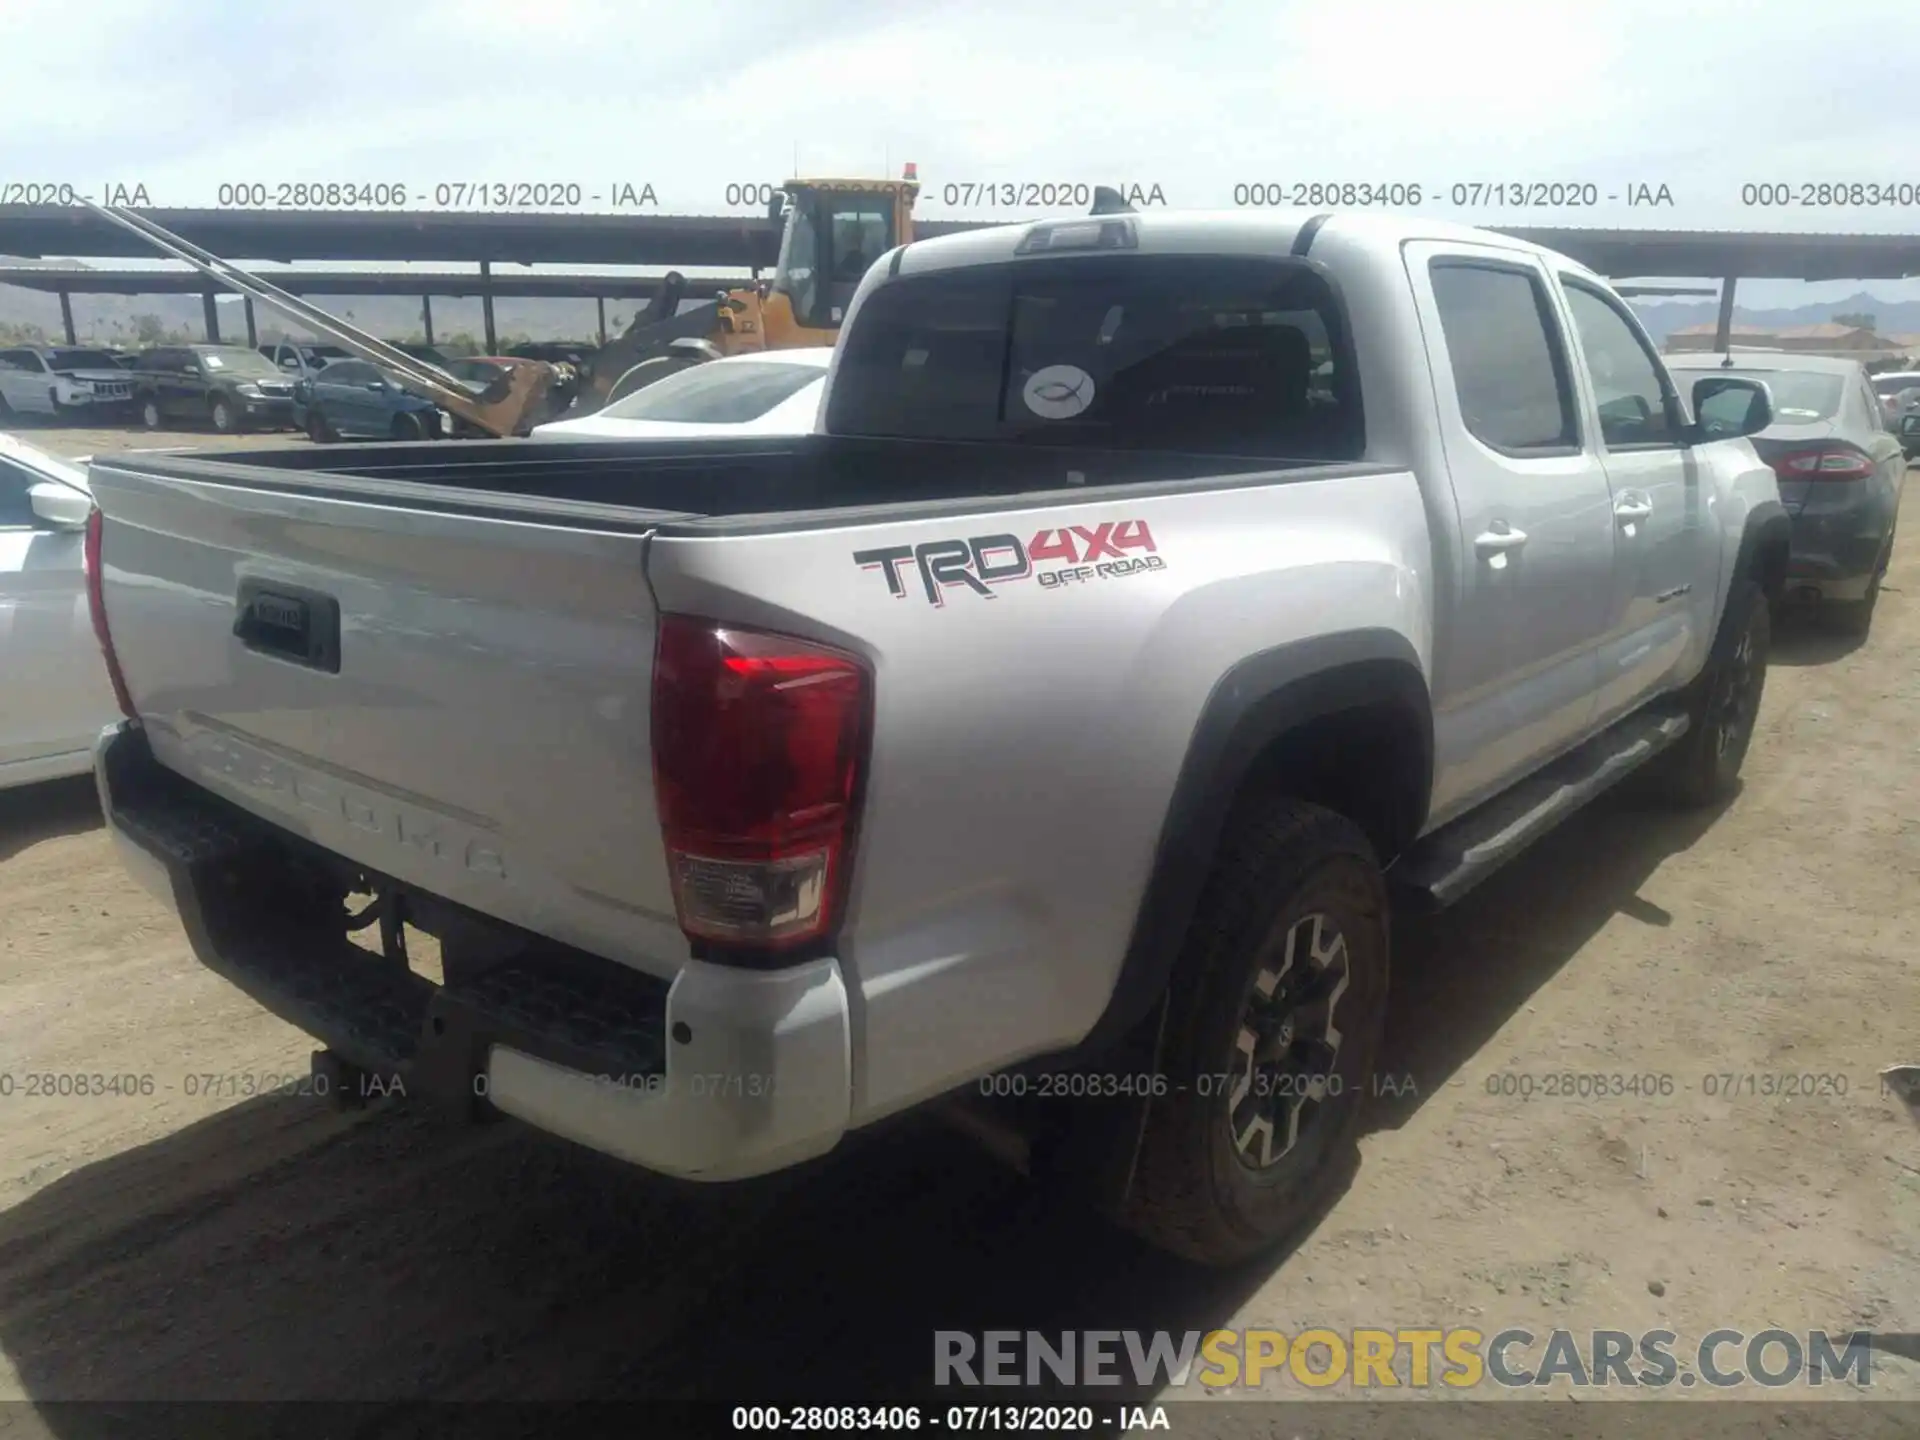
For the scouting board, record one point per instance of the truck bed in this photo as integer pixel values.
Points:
(672, 483)
(435, 660)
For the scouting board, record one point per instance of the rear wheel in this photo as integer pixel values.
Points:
(224, 418)
(6, 410)
(1273, 1022)
(1722, 706)
(150, 414)
(318, 430)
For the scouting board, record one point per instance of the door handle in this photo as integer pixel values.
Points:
(1499, 538)
(1632, 508)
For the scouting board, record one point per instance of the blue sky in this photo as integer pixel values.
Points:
(1197, 99)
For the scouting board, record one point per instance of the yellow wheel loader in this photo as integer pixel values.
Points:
(832, 230)
(831, 233)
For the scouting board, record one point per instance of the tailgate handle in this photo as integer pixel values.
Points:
(288, 623)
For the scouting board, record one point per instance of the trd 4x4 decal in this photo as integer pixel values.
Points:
(1098, 552)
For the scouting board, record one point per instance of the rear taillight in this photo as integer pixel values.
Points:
(1823, 462)
(97, 606)
(759, 747)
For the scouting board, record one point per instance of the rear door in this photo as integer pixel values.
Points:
(180, 383)
(1666, 565)
(149, 385)
(345, 399)
(24, 381)
(13, 380)
(1535, 517)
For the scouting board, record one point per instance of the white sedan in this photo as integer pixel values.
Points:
(55, 697)
(774, 392)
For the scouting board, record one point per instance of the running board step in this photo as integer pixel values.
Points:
(1453, 859)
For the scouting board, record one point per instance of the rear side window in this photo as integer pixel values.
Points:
(1211, 356)
(1509, 365)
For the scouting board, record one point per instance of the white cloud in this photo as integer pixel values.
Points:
(1196, 98)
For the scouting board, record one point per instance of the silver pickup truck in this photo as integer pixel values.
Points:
(1159, 593)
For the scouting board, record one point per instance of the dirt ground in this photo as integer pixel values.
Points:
(188, 1242)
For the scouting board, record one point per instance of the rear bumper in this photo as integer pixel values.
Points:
(718, 1075)
(1834, 553)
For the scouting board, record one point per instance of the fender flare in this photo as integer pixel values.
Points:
(1767, 524)
(1255, 703)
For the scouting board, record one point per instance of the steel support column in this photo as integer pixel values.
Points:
(211, 316)
(426, 317)
(253, 336)
(486, 305)
(1723, 329)
(66, 317)
(600, 308)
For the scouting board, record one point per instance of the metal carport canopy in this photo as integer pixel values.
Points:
(741, 241)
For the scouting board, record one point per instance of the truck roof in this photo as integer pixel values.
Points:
(1218, 232)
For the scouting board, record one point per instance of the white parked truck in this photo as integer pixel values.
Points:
(1161, 591)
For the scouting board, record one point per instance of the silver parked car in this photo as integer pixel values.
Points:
(57, 694)
(1841, 471)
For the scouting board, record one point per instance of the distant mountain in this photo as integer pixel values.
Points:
(24, 263)
(1890, 317)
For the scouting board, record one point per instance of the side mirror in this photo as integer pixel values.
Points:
(61, 506)
(1726, 407)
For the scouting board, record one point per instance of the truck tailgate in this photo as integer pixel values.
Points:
(458, 701)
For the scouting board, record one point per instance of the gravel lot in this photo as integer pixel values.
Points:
(196, 1246)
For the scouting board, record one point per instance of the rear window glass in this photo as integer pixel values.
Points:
(719, 394)
(1800, 397)
(1212, 356)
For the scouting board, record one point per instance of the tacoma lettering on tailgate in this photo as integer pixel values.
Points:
(1088, 553)
(437, 836)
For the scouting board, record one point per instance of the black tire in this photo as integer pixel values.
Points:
(220, 412)
(1296, 880)
(318, 431)
(1722, 705)
(6, 410)
(407, 426)
(150, 415)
